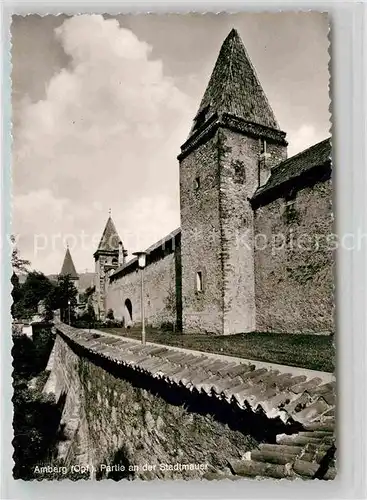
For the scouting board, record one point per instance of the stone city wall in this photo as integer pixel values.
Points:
(159, 294)
(158, 412)
(113, 417)
(295, 278)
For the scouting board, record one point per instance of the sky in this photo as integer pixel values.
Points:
(101, 106)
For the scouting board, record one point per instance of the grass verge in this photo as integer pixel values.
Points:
(314, 352)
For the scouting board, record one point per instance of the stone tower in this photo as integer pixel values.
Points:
(109, 255)
(68, 269)
(234, 141)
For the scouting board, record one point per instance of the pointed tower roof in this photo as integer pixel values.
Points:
(110, 239)
(234, 88)
(68, 266)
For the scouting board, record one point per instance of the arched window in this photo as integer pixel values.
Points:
(199, 281)
(128, 314)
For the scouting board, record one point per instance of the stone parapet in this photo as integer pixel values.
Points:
(291, 416)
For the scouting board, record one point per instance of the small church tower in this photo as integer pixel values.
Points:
(109, 255)
(68, 268)
(233, 144)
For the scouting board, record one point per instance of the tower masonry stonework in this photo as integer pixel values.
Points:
(219, 173)
(215, 273)
(108, 256)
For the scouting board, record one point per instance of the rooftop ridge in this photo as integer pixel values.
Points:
(300, 153)
(302, 167)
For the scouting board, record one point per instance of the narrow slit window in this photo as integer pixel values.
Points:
(199, 281)
(262, 146)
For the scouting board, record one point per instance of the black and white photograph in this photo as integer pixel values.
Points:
(173, 247)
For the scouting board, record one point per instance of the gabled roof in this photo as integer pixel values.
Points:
(110, 239)
(297, 166)
(234, 87)
(68, 267)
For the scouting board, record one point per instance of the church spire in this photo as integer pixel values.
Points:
(110, 240)
(68, 267)
(234, 88)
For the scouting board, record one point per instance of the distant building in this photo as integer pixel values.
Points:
(224, 271)
(81, 281)
(109, 255)
(68, 268)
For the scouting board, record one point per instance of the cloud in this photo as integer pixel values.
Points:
(106, 135)
(44, 233)
(37, 218)
(303, 138)
(162, 216)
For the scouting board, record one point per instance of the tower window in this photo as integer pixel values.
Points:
(199, 281)
(201, 117)
(262, 146)
(264, 163)
(197, 183)
(291, 213)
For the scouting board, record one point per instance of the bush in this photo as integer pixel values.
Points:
(36, 416)
(24, 354)
(168, 326)
(111, 324)
(43, 341)
(36, 420)
(110, 314)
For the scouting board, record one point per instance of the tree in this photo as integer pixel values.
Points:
(36, 287)
(17, 296)
(89, 291)
(19, 265)
(91, 315)
(26, 297)
(64, 298)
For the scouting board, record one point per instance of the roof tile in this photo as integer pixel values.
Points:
(316, 156)
(309, 384)
(312, 411)
(249, 468)
(303, 468)
(273, 456)
(110, 239)
(278, 395)
(240, 369)
(234, 88)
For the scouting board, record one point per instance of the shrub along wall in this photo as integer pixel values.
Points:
(43, 338)
(36, 416)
